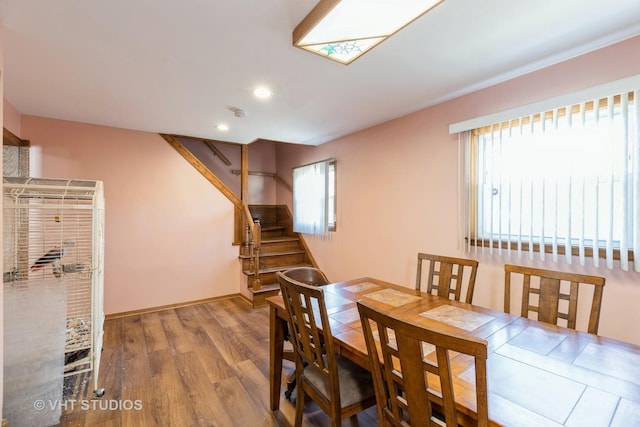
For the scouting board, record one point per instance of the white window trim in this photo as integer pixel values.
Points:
(594, 92)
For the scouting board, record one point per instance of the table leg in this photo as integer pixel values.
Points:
(276, 344)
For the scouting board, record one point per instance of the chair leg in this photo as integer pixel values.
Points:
(339, 422)
(300, 398)
(291, 385)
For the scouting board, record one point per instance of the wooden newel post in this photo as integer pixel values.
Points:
(247, 240)
(256, 254)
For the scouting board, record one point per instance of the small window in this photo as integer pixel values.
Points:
(314, 197)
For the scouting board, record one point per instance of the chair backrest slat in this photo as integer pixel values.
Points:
(450, 274)
(549, 294)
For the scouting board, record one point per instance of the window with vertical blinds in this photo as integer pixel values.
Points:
(561, 183)
(314, 199)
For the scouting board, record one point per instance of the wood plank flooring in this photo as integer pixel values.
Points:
(200, 365)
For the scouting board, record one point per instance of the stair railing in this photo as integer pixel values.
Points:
(252, 245)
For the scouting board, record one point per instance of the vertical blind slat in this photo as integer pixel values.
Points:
(468, 178)
(583, 193)
(596, 234)
(555, 204)
(569, 216)
(473, 222)
(624, 246)
(460, 194)
(609, 251)
(635, 231)
(520, 207)
(491, 200)
(531, 207)
(500, 176)
(543, 236)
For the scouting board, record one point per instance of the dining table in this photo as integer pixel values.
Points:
(538, 374)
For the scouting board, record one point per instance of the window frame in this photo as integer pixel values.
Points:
(538, 244)
(329, 197)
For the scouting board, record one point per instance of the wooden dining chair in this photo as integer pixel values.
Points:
(548, 286)
(311, 276)
(450, 273)
(406, 390)
(340, 387)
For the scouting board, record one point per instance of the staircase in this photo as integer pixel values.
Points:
(277, 247)
(280, 249)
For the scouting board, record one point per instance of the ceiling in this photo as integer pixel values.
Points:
(177, 67)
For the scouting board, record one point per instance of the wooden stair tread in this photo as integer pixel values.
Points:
(279, 239)
(277, 268)
(272, 227)
(271, 287)
(270, 254)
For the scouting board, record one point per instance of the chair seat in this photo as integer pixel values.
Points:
(356, 383)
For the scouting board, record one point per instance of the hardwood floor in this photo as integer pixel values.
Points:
(200, 365)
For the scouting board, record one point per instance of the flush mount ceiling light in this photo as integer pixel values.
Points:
(222, 127)
(343, 30)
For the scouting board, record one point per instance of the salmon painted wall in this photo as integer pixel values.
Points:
(262, 158)
(11, 118)
(168, 231)
(397, 189)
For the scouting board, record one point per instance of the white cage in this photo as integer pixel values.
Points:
(54, 230)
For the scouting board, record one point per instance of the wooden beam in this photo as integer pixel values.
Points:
(8, 138)
(244, 172)
(238, 229)
(214, 141)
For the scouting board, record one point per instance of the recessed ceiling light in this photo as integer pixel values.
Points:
(222, 127)
(262, 92)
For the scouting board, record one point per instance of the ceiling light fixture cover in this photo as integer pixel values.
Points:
(343, 30)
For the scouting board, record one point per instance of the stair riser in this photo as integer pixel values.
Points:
(259, 299)
(266, 214)
(265, 279)
(271, 263)
(278, 260)
(272, 234)
(273, 215)
(287, 246)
